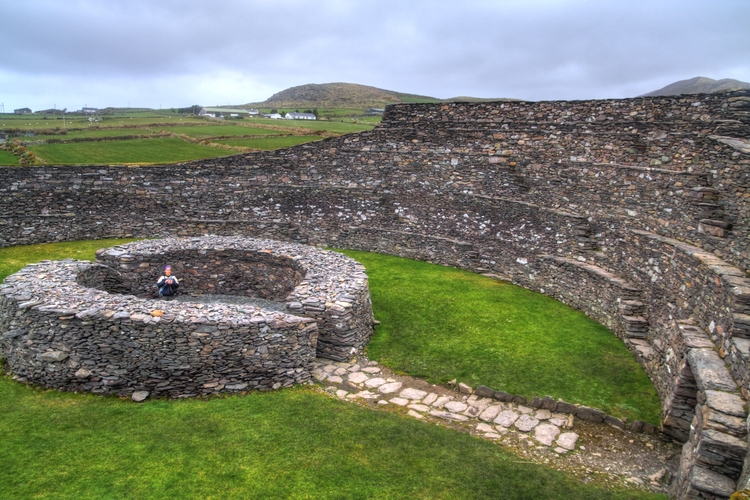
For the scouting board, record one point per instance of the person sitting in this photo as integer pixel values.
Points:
(167, 284)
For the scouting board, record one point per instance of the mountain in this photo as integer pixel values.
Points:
(699, 85)
(338, 95)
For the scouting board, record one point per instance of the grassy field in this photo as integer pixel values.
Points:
(162, 150)
(294, 443)
(109, 141)
(269, 142)
(7, 158)
(441, 323)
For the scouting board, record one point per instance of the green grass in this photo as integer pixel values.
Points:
(222, 130)
(270, 142)
(165, 150)
(441, 323)
(293, 443)
(93, 134)
(14, 259)
(8, 158)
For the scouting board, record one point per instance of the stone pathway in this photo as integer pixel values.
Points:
(598, 452)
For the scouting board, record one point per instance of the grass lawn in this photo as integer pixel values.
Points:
(294, 443)
(8, 158)
(222, 130)
(441, 323)
(164, 150)
(94, 133)
(270, 142)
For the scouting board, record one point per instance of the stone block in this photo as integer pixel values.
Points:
(590, 414)
(484, 391)
(711, 482)
(709, 371)
(503, 396)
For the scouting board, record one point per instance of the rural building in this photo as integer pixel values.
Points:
(375, 111)
(22, 111)
(300, 116)
(224, 112)
(273, 116)
(90, 111)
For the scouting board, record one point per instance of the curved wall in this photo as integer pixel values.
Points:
(633, 211)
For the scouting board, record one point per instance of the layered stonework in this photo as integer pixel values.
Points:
(77, 325)
(634, 211)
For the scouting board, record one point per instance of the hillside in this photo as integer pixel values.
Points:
(337, 95)
(699, 85)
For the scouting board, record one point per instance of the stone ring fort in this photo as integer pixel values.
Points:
(633, 211)
(97, 328)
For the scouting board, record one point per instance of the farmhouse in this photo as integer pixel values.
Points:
(90, 111)
(22, 111)
(300, 116)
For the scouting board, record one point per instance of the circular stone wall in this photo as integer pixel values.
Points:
(77, 325)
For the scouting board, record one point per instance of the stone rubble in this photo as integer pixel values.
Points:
(541, 434)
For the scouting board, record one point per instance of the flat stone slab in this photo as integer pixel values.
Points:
(419, 407)
(490, 413)
(543, 414)
(430, 398)
(414, 414)
(485, 428)
(526, 423)
(546, 433)
(440, 402)
(446, 415)
(506, 418)
(567, 440)
(341, 393)
(374, 382)
(335, 379)
(710, 372)
(455, 406)
(357, 377)
(389, 388)
(399, 401)
(410, 393)
(731, 404)
(371, 369)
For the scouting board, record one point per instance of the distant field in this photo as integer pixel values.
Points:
(7, 158)
(269, 142)
(167, 150)
(222, 130)
(108, 141)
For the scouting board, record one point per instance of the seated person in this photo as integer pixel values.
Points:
(167, 284)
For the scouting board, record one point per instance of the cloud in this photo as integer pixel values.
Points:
(176, 52)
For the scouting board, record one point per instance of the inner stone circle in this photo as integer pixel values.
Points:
(78, 325)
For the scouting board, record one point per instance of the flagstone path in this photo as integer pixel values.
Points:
(597, 452)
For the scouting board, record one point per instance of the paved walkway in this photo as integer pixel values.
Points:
(599, 452)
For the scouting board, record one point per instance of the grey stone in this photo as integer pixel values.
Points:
(543, 414)
(710, 371)
(567, 440)
(446, 415)
(484, 391)
(411, 393)
(464, 389)
(335, 379)
(430, 398)
(546, 433)
(455, 406)
(440, 402)
(615, 422)
(53, 356)
(139, 396)
(731, 404)
(503, 396)
(526, 423)
(357, 377)
(485, 428)
(590, 414)
(390, 387)
(711, 482)
(563, 407)
(419, 407)
(490, 413)
(506, 418)
(399, 401)
(374, 382)
(236, 387)
(414, 414)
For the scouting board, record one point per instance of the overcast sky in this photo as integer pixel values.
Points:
(172, 53)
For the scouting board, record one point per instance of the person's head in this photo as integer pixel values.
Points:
(167, 270)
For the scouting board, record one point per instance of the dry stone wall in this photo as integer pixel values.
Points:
(77, 325)
(634, 211)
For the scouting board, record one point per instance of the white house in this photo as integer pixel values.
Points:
(273, 116)
(300, 116)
